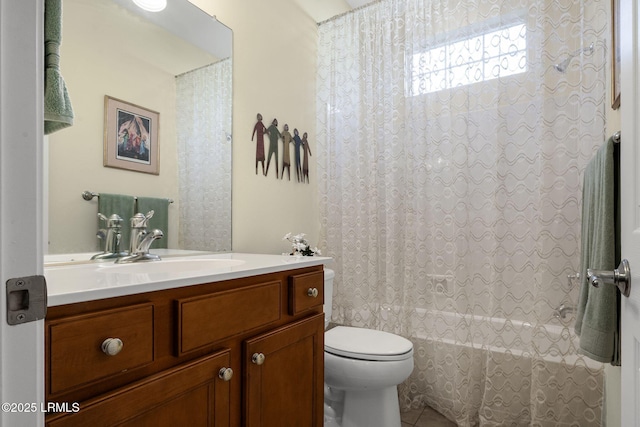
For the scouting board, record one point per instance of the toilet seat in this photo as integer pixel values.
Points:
(366, 344)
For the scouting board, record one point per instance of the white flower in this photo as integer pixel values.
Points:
(300, 246)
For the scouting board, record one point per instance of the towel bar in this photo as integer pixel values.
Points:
(621, 277)
(88, 195)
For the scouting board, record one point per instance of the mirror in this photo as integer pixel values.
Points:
(177, 63)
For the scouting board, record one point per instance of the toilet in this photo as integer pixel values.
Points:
(363, 368)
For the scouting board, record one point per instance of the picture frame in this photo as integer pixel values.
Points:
(615, 54)
(131, 137)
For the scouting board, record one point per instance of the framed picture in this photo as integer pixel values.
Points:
(615, 54)
(130, 137)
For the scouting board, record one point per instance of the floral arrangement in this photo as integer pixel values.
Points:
(300, 246)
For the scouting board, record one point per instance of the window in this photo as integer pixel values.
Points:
(483, 57)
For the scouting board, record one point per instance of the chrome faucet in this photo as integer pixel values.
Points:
(141, 240)
(111, 237)
(138, 230)
(562, 311)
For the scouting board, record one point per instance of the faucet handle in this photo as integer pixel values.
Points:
(113, 221)
(140, 220)
(111, 237)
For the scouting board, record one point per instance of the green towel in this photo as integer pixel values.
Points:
(58, 113)
(160, 218)
(597, 316)
(109, 204)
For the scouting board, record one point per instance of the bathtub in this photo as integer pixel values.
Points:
(556, 343)
(488, 371)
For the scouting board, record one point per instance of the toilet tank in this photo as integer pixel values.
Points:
(328, 295)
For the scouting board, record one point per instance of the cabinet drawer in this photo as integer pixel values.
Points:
(191, 394)
(306, 291)
(75, 345)
(205, 320)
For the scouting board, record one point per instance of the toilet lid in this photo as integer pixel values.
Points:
(366, 344)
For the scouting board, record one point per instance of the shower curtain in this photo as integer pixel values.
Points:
(451, 155)
(203, 117)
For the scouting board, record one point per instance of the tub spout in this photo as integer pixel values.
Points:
(562, 311)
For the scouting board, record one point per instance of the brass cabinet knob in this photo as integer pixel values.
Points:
(112, 346)
(225, 374)
(257, 358)
(313, 292)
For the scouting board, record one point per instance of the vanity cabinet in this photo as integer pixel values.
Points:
(283, 370)
(246, 351)
(191, 394)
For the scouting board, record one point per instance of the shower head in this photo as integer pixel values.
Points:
(562, 66)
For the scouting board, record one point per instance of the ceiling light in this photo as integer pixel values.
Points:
(151, 5)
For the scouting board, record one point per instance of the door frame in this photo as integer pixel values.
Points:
(630, 199)
(21, 184)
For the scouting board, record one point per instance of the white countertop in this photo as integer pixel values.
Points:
(70, 282)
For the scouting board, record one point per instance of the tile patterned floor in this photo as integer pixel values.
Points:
(424, 417)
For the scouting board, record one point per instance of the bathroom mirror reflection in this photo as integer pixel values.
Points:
(177, 63)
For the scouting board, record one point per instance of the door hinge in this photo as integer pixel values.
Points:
(26, 299)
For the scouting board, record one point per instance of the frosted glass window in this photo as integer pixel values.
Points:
(488, 56)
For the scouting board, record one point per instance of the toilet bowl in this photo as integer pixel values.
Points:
(363, 368)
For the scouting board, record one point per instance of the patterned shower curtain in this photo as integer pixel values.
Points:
(451, 155)
(203, 110)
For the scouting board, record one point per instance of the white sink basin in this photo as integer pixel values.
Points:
(169, 266)
(69, 283)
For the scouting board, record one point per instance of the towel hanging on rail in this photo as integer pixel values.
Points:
(160, 218)
(58, 113)
(120, 204)
(597, 321)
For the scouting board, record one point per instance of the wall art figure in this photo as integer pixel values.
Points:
(260, 130)
(305, 161)
(274, 135)
(297, 144)
(286, 157)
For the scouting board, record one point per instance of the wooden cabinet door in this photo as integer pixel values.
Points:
(284, 376)
(191, 394)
